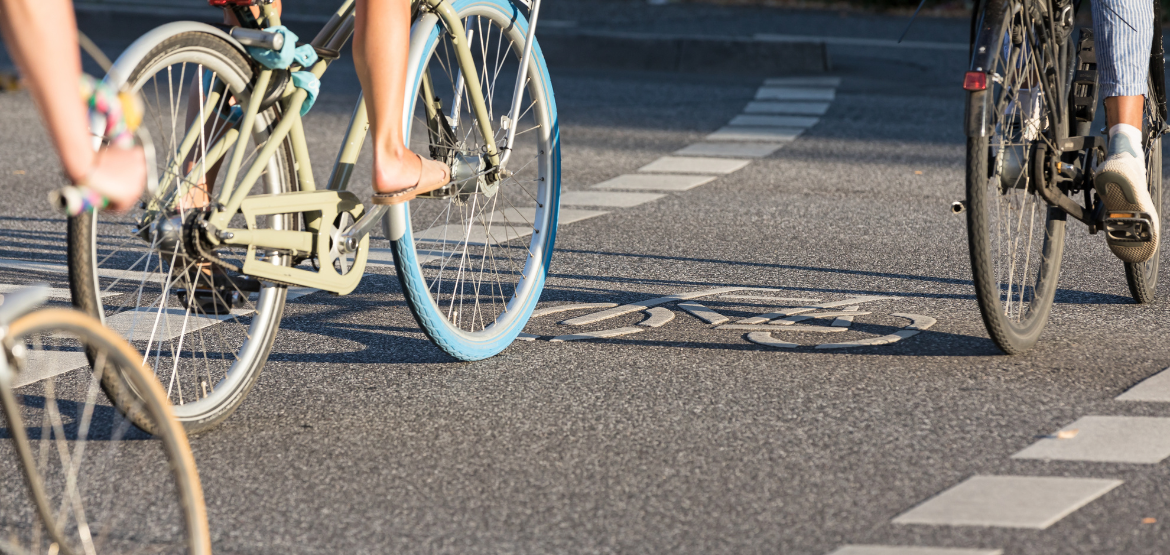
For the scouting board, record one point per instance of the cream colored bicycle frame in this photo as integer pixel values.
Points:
(234, 196)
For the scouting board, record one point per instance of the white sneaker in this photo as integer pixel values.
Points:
(1121, 183)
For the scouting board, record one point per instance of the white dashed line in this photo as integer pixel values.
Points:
(794, 93)
(679, 164)
(653, 182)
(1008, 501)
(1118, 439)
(612, 199)
(795, 108)
(766, 298)
(1155, 389)
(764, 120)
(746, 150)
(802, 82)
(766, 134)
(508, 224)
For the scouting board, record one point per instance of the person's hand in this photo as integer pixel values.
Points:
(119, 174)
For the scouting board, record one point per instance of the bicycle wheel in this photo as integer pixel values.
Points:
(1142, 277)
(473, 264)
(1016, 241)
(134, 271)
(97, 485)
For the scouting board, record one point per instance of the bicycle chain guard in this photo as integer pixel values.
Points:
(321, 209)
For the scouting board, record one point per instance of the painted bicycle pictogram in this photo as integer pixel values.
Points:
(793, 318)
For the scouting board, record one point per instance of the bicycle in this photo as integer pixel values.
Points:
(472, 257)
(1024, 174)
(73, 438)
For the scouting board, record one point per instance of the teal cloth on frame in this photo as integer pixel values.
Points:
(305, 80)
(287, 55)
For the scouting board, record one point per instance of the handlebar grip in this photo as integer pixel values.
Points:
(74, 200)
(258, 38)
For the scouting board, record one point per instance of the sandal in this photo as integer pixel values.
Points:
(402, 195)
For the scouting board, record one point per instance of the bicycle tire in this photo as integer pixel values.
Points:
(1142, 277)
(421, 255)
(227, 382)
(151, 404)
(1015, 317)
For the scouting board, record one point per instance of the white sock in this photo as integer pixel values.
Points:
(1133, 134)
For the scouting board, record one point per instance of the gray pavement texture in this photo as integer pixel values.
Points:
(362, 437)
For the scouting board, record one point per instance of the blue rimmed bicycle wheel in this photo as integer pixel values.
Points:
(473, 260)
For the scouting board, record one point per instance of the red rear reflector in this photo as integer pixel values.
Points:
(975, 81)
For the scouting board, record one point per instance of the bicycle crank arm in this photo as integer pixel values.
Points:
(352, 237)
(1052, 194)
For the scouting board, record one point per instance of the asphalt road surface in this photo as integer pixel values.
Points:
(362, 437)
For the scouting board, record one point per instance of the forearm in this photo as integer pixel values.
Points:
(44, 47)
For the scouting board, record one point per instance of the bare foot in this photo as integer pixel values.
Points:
(398, 172)
(120, 176)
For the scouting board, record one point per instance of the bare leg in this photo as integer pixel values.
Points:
(380, 44)
(1124, 109)
(200, 195)
(42, 37)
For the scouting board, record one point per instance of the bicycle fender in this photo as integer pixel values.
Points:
(134, 54)
(985, 54)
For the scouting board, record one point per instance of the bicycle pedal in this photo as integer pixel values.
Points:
(1127, 226)
(219, 301)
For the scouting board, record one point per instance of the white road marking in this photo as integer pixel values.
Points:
(809, 308)
(1155, 389)
(137, 324)
(766, 298)
(747, 150)
(771, 328)
(42, 365)
(1118, 439)
(642, 305)
(507, 225)
(57, 293)
(910, 550)
(613, 199)
(654, 182)
(838, 315)
(1008, 501)
(795, 108)
(567, 307)
(597, 334)
(681, 164)
(32, 266)
(795, 93)
(918, 323)
(845, 320)
(765, 134)
(802, 82)
(658, 317)
(527, 337)
(765, 338)
(703, 313)
(767, 120)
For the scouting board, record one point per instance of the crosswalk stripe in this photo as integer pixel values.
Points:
(1035, 502)
(1117, 439)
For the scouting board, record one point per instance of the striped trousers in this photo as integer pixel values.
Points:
(1122, 33)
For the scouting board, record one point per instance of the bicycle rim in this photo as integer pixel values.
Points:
(1142, 277)
(1016, 241)
(97, 484)
(473, 264)
(135, 271)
